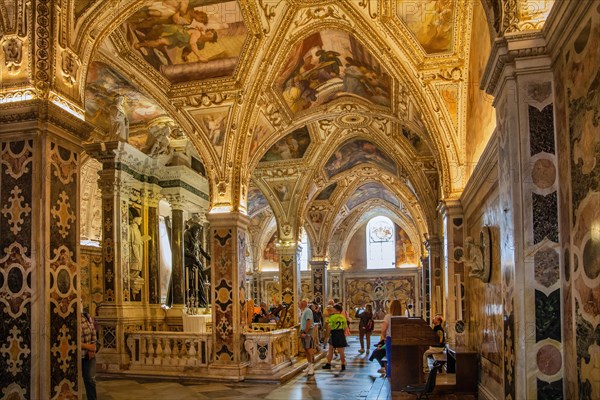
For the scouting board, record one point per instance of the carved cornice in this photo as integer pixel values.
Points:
(34, 113)
(505, 51)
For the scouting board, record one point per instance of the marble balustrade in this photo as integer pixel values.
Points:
(168, 351)
(271, 352)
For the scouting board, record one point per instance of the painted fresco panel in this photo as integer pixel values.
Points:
(214, 125)
(356, 152)
(292, 146)
(430, 21)
(371, 190)
(188, 40)
(331, 64)
(256, 201)
(103, 86)
(327, 192)
(260, 132)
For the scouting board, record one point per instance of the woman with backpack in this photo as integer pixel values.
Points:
(365, 326)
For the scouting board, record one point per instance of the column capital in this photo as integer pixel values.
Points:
(231, 218)
(450, 207)
(319, 263)
(529, 48)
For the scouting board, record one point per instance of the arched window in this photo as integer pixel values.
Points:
(381, 249)
(304, 254)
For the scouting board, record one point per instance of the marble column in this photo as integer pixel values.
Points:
(318, 276)
(335, 284)
(425, 289)
(289, 280)
(177, 273)
(228, 286)
(522, 84)
(153, 296)
(454, 276)
(434, 247)
(40, 146)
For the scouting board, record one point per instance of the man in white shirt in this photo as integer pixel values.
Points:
(306, 324)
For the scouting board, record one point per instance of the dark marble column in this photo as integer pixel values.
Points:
(153, 251)
(426, 289)
(177, 272)
(40, 148)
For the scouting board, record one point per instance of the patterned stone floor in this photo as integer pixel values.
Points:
(359, 381)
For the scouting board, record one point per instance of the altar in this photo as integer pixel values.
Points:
(196, 323)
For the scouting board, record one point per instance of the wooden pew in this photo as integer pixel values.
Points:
(410, 338)
(464, 363)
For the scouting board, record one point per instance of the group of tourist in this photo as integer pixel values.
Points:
(337, 324)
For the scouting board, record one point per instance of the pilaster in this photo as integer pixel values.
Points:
(40, 148)
(289, 278)
(318, 274)
(454, 274)
(436, 297)
(228, 286)
(530, 264)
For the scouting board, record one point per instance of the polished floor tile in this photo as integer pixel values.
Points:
(359, 381)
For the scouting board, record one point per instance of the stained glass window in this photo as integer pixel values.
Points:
(381, 250)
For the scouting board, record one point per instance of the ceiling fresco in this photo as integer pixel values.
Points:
(416, 142)
(261, 131)
(256, 201)
(214, 124)
(330, 64)
(292, 146)
(371, 190)
(103, 87)
(188, 40)
(356, 152)
(326, 193)
(430, 21)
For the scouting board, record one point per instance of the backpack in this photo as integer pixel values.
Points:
(370, 326)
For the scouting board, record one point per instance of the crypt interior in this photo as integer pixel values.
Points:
(445, 153)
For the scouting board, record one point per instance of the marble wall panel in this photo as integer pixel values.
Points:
(91, 275)
(579, 79)
(379, 291)
(222, 247)
(16, 279)
(64, 295)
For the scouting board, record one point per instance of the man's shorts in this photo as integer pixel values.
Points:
(308, 341)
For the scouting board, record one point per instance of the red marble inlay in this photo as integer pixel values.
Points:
(549, 360)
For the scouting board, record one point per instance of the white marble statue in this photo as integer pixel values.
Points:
(119, 123)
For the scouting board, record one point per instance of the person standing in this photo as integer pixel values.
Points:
(365, 327)
(386, 332)
(88, 355)
(338, 323)
(306, 325)
(439, 347)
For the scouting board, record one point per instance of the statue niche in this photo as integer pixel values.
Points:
(198, 275)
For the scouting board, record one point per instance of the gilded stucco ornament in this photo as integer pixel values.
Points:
(70, 67)
(13, 53)
(319, 14)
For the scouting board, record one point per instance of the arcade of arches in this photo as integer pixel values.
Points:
(472, 126)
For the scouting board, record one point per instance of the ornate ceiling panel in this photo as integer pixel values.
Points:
(430, 21)
(292, 146)
(188, 40)
(329, 64)
(371, 190)
(356, 152)
(104, 87)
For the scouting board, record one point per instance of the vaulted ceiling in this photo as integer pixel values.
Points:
(310, 112)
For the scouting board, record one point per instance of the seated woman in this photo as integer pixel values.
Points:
(378, 354)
